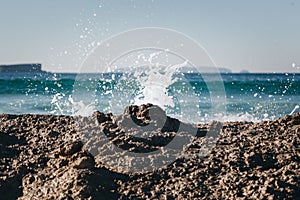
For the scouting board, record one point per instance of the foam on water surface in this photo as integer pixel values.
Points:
(30, 96)
(295, 109)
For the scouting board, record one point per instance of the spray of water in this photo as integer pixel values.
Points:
(154, 82)
(294, 110)
(65, 105)
(149, 60)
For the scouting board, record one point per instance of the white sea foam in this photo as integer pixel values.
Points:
(155, 81)
(79, 108)
(294, 110)
(63, 105)
(233, 117)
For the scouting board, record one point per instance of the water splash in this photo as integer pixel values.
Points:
(153, 73)
(294, 110)
(57, 104)
(65, 105)
(155, 80)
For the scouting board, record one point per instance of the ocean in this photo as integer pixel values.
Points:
(243, 97)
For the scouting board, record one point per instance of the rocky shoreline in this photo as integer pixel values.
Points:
(56, 157)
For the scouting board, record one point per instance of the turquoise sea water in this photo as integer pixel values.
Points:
(250, 97)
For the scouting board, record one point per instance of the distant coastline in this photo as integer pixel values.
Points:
(36, 68)
(22, 68)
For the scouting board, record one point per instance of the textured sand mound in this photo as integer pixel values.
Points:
(57, 157)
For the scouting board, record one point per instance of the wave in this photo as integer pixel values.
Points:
(249, 97)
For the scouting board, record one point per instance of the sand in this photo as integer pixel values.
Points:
(57, 157)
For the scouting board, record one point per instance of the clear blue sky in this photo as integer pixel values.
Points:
(259, 36)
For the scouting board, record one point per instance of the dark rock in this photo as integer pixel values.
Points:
(71, 148)
(84, 162)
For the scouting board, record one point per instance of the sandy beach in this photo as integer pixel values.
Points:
(49, 157)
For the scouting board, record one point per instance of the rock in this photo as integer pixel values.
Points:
(84, 162)
(53, 134)
(71, 148)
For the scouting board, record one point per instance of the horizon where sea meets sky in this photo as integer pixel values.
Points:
(257, 36)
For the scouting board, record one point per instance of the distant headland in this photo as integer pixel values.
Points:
(22, 68)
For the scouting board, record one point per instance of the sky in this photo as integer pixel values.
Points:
(258, 36)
